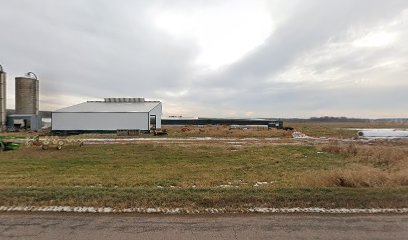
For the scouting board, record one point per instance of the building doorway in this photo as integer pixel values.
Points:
(153, 122)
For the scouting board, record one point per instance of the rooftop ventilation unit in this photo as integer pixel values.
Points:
(124, 100)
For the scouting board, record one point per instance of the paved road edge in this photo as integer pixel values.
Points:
(201, 211)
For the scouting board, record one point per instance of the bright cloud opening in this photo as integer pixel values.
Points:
(224, 33)
(376, 39)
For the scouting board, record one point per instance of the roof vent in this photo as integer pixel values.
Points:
(124, 100)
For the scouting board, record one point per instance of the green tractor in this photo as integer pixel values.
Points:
(7, 143)
(13, 143)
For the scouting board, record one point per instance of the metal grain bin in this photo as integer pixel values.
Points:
(3, 98)
(27, 94)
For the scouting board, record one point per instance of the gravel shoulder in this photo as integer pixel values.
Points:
(131, 226)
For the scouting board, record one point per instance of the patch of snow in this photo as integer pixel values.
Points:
(257, 184)
(299, 135)
(206, 210)
(226, 186)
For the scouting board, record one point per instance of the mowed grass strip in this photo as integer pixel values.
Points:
(165, 165)
(120, 198)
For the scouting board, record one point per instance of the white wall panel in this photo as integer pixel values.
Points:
(99, 121)
(158, 112)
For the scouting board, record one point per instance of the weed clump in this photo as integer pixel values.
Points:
(368, 165)
(336, 148)
(378, 155)
(351, 178)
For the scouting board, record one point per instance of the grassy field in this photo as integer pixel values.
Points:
(225, 132)
(314, 129)
(206, 198)
(152, 165)
(340, 129)
(208, 175)
(205, 131)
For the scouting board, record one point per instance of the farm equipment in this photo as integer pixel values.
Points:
(58, 143)
(161, 132)
(9, 143)
(13, 143)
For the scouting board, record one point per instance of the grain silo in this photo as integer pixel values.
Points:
(3, 111)
(27, 94)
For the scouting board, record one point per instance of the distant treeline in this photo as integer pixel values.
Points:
(343, 119)
(327, 119)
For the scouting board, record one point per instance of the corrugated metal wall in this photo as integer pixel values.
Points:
(27, 95)
(64, 121)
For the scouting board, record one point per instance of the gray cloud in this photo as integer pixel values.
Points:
(315, 23)
(93, 49)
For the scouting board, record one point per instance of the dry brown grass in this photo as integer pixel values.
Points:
(361, 176)
(204, 131)
(339, 129)
(379, 154)
(374, 165)
(400, 177)
(335, 148)
(225, 132)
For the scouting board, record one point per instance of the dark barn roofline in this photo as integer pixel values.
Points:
(223, 121)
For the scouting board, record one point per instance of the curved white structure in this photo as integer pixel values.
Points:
(383, 133)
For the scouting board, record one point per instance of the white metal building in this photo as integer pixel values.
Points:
(109, 115)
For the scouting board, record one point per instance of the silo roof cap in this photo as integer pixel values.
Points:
(31, 75)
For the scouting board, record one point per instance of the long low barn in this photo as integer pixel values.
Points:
(270, 123)
(112, 114)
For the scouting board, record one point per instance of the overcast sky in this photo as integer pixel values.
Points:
(225, 58)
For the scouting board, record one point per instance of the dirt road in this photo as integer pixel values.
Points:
(299, 226)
